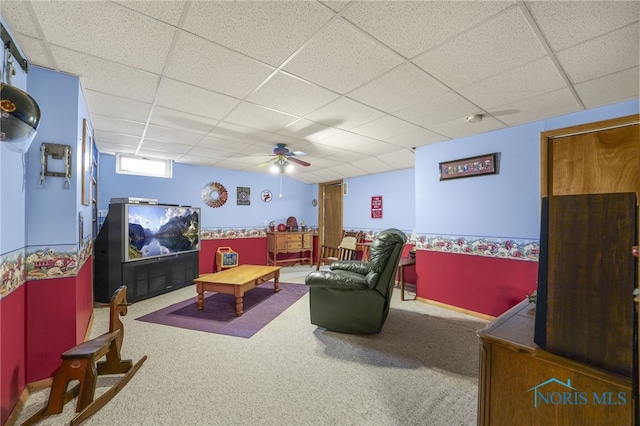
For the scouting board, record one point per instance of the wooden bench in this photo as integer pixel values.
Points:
(81, 363)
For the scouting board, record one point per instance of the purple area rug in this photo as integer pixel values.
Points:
(261, 306)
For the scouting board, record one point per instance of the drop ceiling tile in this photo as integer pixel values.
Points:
(418, 138)
(102, 136)
(164, 155)
(277, 28)
(198, 160)
(194, 100)
(372, 165)
(291, 95)
(221, 146)
(567, 23)
(547, 105)
(327, 175)
(412, 27)
(335, 5)
(308, 130)
(346, 140)
(403, 159)
(497, 45)
(141, 42)
(172, 147)
(345, 157)
(385, 127)
(321, 151)
(460, 128)
(609, 89)
(108, 77)
(166, 11)
(38, 54)
(165, 117)
(115, 106)
(214, 67)
(117, 125)
(345, 113)
(404, 86)
(518, 83)
(114, 148)
(235, 133)
(348, 170)
(437, 110)
(256, 117)
(173, 135)
(604, 55)
(341, 59)
(18, 20)
(375, 149)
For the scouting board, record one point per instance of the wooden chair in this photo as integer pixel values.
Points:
(80, 363)
(346, 250)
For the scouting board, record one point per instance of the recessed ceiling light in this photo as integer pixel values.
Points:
(475, 118)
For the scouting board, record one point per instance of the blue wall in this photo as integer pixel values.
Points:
(185, 188)
(502, 205)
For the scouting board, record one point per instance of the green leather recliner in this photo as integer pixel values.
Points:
(353, 296)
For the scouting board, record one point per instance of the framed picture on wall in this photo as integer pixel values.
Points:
(472, 166)
(87, 148)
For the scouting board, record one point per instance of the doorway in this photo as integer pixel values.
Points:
(330, 213)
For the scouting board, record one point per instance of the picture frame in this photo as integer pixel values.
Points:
(87, 148)
(486, 164)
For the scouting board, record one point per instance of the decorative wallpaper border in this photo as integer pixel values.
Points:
(44, 262)
(41, 262)
(503, 248)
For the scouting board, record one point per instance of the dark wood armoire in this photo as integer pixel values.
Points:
(586, 278)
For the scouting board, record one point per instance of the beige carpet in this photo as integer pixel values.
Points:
(422, 369)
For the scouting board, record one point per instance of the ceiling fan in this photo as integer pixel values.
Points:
(283, 156)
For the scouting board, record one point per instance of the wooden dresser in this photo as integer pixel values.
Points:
(300, 244)
(521, 384)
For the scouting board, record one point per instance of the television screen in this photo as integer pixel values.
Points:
(160, 230)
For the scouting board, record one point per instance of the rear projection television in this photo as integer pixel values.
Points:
(161, 230)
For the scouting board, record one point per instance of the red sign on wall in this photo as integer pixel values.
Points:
(376, 207)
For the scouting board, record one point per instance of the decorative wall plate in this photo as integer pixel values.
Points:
(314, 202)
(266, 195)
(214, 194)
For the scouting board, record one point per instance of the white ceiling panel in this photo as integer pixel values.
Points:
(506, 39)
(116, 106)
(345, 113)
(221, 83)
(341, 58)
(523, 82)
(385, 127)
(178, 120)
(278, 28)
(616, 51)
(437, 110)
(291, 95)
(413, 27)
(194, 100)
(620, 86)
(567, 23)
(211, 66)
(404, 86)
(142, 42)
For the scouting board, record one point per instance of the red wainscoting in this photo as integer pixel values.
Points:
(251, 251)
(13, 345)
(487, 285)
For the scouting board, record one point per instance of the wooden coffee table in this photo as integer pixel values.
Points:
(236, 281)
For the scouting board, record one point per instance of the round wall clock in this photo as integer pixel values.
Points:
(214, 194)
(266, 195)
(314, 202)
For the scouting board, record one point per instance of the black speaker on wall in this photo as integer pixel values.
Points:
(586, 278)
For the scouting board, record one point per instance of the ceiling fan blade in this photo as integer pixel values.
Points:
(298, 153)
(302, 163)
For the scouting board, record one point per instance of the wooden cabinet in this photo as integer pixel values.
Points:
(521, 384)
(298, 245)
